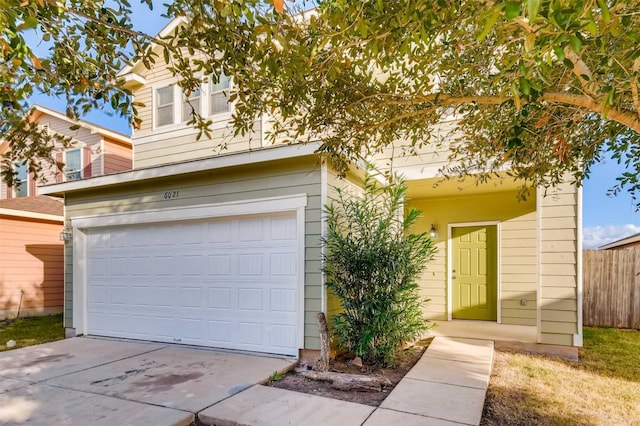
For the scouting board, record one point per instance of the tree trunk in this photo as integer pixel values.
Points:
(322, 364)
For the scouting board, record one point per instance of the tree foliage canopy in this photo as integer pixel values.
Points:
(539, 87)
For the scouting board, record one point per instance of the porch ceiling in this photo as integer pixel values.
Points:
(439, 187)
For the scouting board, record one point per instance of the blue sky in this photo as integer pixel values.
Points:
(605, 218)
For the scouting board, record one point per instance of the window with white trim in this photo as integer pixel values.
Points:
(21, 183)
(164, 106)
(172, 106)
(219, 95)
(191, 104)
(73, 164)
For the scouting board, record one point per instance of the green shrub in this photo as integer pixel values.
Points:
(372, 263)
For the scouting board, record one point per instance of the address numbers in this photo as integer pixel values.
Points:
(170, 195)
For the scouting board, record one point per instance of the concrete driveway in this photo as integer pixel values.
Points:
(92, 381)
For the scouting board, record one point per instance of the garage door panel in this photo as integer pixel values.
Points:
(283, 229)
(282, 300)
(282, 336)
(219, 265)
(228, 283)
(192, 235)
(140, 295)
(219, 232)
(251, 230)
(220, 331)
(250, 264)
(283, 264)
(219, 298)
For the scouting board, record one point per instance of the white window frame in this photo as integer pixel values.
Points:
(226, 113)
(66, 165)
(188, 102)
(156, 105)
(21, 182)
(219, 120)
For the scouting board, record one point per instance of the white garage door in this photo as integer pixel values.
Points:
(229, 283)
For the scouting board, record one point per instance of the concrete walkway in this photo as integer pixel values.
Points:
(446, 387)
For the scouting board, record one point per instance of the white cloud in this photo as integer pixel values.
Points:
(596, 236)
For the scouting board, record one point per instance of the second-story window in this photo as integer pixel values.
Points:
(164, 106)
(172, 106)
(73, 164)
(21, 187)
(219, 96)
(191, 104)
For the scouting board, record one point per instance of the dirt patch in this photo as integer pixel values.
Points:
(408, 358)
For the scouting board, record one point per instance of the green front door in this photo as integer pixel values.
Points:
(474, 273)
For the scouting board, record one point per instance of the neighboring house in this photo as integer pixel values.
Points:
(632, 241)
(94, 151)
(31, 256)
(224, 249)
(31, 253)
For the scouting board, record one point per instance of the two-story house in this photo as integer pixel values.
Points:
(223, 249)
(31, 253)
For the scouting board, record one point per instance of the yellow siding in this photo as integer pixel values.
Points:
(179, 142)
(179, 146)
(420, 161)
(215, 186)
(155, 76)
(518, 245)
(558, 265)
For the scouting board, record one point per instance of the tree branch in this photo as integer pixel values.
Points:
(581, 70)
(634, 85)
(118, 28)
(624, 117)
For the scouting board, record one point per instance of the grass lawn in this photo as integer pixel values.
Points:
(603, 388)
(30, 331)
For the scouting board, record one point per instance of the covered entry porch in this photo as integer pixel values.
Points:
(507, 265)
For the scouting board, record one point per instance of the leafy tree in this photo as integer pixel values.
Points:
(539, 87)
(88, 42)
(372, 264)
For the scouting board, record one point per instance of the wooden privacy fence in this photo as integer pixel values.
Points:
(611, 288)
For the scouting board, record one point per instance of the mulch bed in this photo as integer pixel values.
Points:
(407, 359)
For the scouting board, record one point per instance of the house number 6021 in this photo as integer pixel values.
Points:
(170, 195)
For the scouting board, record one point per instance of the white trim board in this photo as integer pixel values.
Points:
(450, 227)
(324, 200)
(578, 338)
(167, 170)
(201, 211)
(539, 192)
